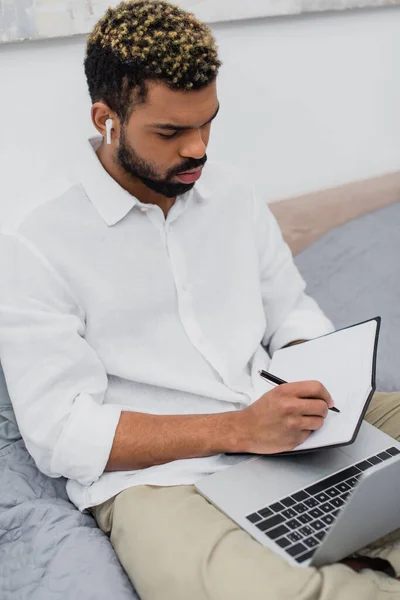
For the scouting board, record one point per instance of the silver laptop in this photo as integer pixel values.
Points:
(315, 508)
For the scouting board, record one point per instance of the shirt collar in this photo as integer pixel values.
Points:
(110, 200)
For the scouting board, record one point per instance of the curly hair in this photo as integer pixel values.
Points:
(145, 40)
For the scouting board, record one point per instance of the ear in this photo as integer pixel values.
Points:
(100, 114)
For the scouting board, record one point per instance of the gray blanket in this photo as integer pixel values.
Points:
(49, 551)
(354, 274)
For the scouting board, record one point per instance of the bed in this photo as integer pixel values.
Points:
(50, 551)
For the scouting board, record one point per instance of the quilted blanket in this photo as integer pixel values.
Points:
(48, 549)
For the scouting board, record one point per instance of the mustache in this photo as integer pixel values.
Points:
(188, 165)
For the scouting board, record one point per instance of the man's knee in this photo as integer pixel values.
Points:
(384, 413)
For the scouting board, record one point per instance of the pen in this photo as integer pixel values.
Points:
(278, 381)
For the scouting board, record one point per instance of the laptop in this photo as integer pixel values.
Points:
(315, 508)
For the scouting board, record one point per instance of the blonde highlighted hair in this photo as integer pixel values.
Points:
(144, 40)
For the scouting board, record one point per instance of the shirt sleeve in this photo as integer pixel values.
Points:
(55, 380)
(290, 314)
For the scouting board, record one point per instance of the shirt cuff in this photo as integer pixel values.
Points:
(300, 325)
(85, 445)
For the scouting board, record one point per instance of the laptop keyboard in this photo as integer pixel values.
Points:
(299, 522)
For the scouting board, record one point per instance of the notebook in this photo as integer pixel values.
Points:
(345, 362)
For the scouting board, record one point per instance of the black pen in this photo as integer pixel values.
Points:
(278, 381)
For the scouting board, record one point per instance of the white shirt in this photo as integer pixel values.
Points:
(107, 306)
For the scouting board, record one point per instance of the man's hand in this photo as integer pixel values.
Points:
(283, 418)
(278, 421)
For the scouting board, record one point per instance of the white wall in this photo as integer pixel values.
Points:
(307, 103)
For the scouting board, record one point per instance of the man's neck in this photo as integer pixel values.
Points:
(134, 186)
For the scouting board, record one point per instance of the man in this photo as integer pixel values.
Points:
(136, 310)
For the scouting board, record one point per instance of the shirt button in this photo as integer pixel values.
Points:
(144, 209)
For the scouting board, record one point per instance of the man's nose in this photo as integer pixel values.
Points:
(194, 147)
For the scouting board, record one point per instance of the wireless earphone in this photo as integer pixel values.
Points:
(109, 126)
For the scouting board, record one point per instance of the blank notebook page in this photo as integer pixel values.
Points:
(344, 362)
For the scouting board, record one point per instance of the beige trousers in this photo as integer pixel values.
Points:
(174, 545)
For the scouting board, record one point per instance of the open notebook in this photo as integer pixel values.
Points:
(345, 362)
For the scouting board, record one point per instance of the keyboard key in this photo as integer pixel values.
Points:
(306, 518)
(364, 465)
(289, 513)
(393, 451)
(270, 523)
(345, 496)
(254, 518)
(320, 535)
(322, 497)
(278, 532)
(343, 487)
(300, 508)
(300, 496)
(296, 549)
(384, 455)
(335, 513)
(333, 492)
(316, 513)
(306, 530)
(293, 524)
(277, 507)
(332, 480)
(328, 519)
(283, 542)
(352, 481)
(337, 502)
(311, 542)
(311, 502)
(375, 460)
(318, 525)
(288, 502)
(305, 556)
(327, 507)
(265, 513)
(295, 536)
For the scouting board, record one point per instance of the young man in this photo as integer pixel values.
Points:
(136, 310)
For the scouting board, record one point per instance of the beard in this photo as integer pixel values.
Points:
(147, 173)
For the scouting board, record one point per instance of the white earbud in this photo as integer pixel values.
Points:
(109, 126)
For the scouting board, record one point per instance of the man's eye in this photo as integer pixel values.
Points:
(168, 136)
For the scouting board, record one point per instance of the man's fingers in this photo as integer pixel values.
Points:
(312, 389)
(313, 408)
(311, 423)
